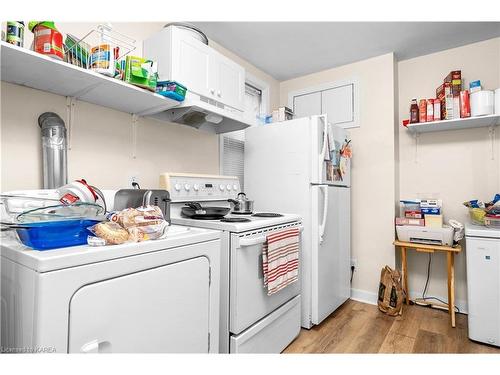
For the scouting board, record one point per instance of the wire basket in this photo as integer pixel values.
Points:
(77, 51)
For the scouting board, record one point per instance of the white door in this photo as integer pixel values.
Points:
(191, 64)
(330, 250)
(307, 105)
(161, 310)
(338, 104)
(230, 89)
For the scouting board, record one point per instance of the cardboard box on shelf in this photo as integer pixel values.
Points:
(455, 79)
(408, 221)
(434, 221)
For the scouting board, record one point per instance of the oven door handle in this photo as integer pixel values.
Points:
(245, 242)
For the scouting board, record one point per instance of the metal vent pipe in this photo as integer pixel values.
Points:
(54, 150)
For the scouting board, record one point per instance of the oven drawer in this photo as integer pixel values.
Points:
(273, 333)
(249, 301)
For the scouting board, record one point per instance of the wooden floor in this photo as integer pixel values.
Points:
(361, 328)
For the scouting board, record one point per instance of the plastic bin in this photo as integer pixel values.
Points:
(477, 215)
(55, 234)
(492, 221)
(172, 90)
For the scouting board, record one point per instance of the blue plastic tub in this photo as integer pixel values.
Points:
(55, 234)
(172, 90)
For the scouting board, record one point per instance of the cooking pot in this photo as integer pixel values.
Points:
(241, 205)
(194, 210)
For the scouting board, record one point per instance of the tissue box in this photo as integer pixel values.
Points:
(141, 72)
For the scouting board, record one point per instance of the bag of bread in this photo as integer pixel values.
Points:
(112, 233)
(143, 223)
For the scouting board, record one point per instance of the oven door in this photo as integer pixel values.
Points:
(249, 301)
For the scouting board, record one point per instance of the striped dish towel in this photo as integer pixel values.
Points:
(280, 259)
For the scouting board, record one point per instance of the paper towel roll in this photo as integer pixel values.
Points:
(481, 103)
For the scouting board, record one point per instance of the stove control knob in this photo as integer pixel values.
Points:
(196, 187)
(228, 187)
(235, 187)
(221, 187)
(187, 187)
(178, 187)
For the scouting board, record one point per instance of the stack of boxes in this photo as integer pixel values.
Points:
(454, 101)
(421, 212)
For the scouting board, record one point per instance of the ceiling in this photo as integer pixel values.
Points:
(287, 50)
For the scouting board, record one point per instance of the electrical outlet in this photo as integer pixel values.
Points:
(354, 262)
(133, 178)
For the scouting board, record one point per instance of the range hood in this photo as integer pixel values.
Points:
(205, 114)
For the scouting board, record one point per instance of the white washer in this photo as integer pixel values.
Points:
(250, 320)
(156, 296)
(483, 283)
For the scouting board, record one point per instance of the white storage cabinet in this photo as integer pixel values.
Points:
(483, 283)
(203, 70)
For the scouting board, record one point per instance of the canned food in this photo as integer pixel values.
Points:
(15, 33)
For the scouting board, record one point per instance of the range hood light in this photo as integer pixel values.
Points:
(213, 118)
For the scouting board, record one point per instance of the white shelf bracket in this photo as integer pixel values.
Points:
(135, 119)
(417, 139)
(491, 132)
(70, 117)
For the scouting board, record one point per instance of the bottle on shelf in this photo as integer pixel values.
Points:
(414, 113)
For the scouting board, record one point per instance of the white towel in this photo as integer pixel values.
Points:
(280, 259)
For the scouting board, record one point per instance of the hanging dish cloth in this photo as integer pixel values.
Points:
(280, 260)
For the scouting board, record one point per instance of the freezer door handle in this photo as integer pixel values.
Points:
(322, 154)
(325, 213)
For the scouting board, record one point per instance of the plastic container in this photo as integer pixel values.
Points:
(172, 90)
(492, 221)
(477, 215)
(55, 234)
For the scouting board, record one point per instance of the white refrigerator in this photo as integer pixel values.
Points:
(302, 166)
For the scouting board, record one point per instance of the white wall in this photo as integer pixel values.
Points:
(102, 138)
(373, 165)
(454, 165)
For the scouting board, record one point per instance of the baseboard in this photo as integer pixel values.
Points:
(364, 296)
(371, 298)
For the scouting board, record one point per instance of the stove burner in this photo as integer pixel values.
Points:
(241, 213)
(267, 214)
(235, 220)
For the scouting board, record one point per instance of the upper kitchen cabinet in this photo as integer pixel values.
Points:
(204, 71)
(230, 82)
(339, 101)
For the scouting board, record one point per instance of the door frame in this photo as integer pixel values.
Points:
(354, 81)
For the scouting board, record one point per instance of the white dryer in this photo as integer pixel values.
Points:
(156, 296)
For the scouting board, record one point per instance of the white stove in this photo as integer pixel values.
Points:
(250, 320)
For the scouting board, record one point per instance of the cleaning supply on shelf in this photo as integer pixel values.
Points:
(47, 39)
(77, 51)
(475, 86)
(102, 59)
(171, 89)
(141, 72)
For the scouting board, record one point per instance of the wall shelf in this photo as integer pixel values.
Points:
(28, 68)
(456, 124)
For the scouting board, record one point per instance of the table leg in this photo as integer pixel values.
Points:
(450, 256)
(404, 270)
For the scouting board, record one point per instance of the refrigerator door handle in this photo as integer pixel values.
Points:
(325, 213)
(322, 155)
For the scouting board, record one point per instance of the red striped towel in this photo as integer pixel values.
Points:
(280, 259)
